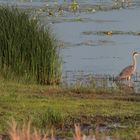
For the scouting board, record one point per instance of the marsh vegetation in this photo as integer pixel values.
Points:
(28, 51)
(109, 111)
(30, 61)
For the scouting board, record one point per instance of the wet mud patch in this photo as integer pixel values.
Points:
(64, 20)
(55, 20)
(100, 123)
(96, 43)
(110, 33)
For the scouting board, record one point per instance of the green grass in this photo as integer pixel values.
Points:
(55, 106)
(28, 50)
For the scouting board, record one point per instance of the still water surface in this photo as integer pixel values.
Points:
(97, 53)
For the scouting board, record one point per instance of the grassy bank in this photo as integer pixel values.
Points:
(47, 106)
(28, 50)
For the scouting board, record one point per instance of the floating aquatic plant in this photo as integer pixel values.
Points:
(74, 6)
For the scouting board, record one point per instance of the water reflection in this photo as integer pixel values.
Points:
(91, 80)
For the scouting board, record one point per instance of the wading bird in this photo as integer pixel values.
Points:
(127, 72)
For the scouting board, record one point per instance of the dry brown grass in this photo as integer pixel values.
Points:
(25, 133)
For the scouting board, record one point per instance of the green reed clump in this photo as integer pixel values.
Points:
(27, 50)
(51, 118)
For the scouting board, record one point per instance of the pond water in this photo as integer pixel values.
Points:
(100, 53)
(87, 45)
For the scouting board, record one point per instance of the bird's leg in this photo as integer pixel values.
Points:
(129, 79)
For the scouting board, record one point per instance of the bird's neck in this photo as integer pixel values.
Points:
(134, 62)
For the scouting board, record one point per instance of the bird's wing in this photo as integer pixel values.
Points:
(126, 72)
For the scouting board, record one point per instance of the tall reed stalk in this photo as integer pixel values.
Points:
(27, 50)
